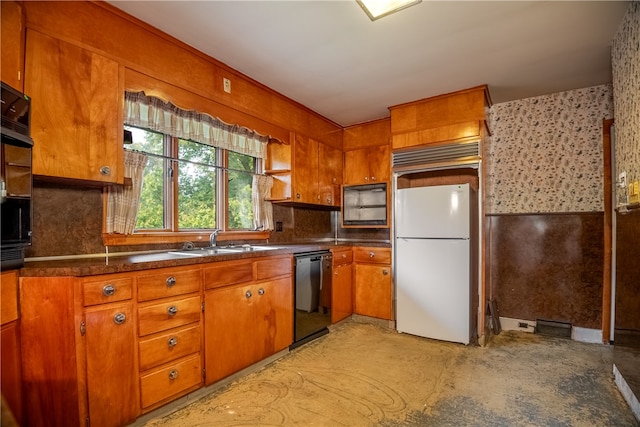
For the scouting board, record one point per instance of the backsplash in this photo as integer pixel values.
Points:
(545, 152)
(625, 59)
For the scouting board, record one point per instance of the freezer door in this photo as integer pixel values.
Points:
(433, 289)
(433, 212)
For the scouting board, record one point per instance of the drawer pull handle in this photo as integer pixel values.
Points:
(172, 311)
(344, 255)
(371, 254)
(119, 318)
(105, 170)
(261, 291)
(248, 294)
(173, 374)
(171, 281)
(385, 272)
(173, 341)
(108, 290)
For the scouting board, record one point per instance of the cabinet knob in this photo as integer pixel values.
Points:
(108, 290)
(366, 178)
(119, 318)
(297, 195)
(385, 272)
(105, 170)
(261, 291)
(373, 178)
(172, 311)
(172, 342)
(248, 294)
(173, 374)
(372, 254)
(171, 281)
(344, 255)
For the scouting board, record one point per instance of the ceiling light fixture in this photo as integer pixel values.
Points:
(376, 9)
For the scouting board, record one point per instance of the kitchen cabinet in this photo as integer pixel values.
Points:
(372, 287)
(80, 366)
(367, 165)
(341, 284)
(12, 44)
(169, 316)
(248, 314)
(11, 368)
(317, 172)
(76, 116)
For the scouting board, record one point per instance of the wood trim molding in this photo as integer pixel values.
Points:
(608, 231)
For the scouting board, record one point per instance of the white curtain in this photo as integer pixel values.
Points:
(262, 208)
(153, 113)
(123, 201)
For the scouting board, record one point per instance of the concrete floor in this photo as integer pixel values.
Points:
(364, 375)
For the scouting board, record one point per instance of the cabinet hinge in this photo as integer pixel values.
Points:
(83, 328)
(204, 372)
(88, 422)
(202, 305)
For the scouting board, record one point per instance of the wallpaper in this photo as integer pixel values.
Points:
(625, 59)
(545, 153)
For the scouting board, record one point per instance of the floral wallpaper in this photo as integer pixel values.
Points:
(625, 59)
(545, 152)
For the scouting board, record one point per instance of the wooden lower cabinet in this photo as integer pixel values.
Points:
(11, 367)
(372, 288)
(342, 285)
(111, 371)
(245, 324)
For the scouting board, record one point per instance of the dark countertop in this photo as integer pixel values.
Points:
(114, 263)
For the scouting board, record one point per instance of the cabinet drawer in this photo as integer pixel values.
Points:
(342, 256)
(167, 315)
(168, 283)
(228, 273)
(273, 267)
(372, 255)
(170, 380)
(169, 346)
(107, 290)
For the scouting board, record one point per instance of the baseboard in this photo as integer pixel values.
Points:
(626, 392)
(593, 336)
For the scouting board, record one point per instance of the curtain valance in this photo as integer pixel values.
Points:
(155, 114)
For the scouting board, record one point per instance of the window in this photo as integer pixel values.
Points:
(191, 186)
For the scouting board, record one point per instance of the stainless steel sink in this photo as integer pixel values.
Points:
(204, 252)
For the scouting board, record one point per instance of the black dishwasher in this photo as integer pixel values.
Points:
(312, 312)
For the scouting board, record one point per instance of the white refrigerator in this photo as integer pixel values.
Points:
(433, 254)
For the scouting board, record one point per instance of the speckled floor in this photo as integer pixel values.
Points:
(364, 375)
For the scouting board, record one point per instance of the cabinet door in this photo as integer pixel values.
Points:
(329, 174)
(356, 167)
(111, 370)
(76, 111)
(305, 170)
(11, 369)
(12, 44)
(341, 295)
(380, 163)
(273, 317)
(373, 291)
(229, 338)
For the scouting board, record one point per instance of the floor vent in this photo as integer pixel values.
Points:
(553, 329)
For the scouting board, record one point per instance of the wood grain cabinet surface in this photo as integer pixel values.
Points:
(372, 288)
(367, 165)
(10, 363)
(12, 44)
(76, 111)
(342, 285)
(317, 172)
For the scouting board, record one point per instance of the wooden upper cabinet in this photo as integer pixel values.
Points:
(12, 44)
(454, 117)
(367, 165)
(316, 171)
(77, 102)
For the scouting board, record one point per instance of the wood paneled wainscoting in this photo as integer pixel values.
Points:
(547, 266)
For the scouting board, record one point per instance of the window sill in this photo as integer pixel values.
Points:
(170, 237)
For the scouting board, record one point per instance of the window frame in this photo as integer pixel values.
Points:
(174, 235)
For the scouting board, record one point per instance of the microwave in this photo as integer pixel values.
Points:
(15, 177)
(364, 205)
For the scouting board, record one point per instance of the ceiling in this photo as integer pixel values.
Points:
(328, 55)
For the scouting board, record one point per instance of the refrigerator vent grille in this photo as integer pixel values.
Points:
(449, 155)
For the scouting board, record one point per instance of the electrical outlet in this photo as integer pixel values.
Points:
(523, 325)
(278, 225)
(226, 84)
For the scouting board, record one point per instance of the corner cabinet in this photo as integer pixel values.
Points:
(76, 117)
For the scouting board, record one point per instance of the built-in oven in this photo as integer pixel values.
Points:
(312, 314)
(15, 177)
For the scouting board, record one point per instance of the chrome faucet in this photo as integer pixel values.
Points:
(213, 237)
